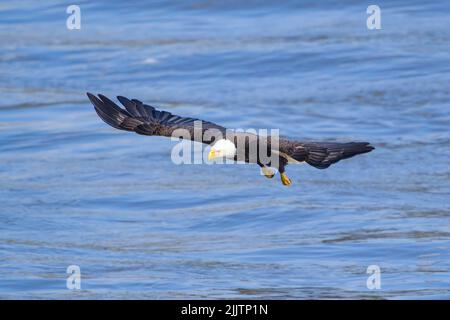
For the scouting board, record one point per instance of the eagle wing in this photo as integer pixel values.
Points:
(144, 119)
(322, 154)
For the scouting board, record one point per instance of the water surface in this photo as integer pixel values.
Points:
(74, 191)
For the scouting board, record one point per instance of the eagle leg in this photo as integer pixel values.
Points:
(284, 178)
(268, 172)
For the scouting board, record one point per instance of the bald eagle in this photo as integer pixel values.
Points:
(146, 120)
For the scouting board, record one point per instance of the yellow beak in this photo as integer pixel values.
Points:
(211, 155)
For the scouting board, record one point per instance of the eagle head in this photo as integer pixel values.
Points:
(223, 148)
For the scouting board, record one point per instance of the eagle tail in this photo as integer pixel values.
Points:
(323, 154)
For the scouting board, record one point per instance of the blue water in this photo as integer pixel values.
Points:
(75, 191)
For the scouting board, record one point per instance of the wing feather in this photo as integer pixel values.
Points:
(323, 154)
(145, 119)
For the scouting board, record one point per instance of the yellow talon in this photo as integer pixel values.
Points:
(285, 180)
(269, 173)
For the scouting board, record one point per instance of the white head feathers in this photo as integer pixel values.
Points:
(222, 148)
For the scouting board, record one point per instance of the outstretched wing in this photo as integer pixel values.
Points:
(323, 154)
(144, 119)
